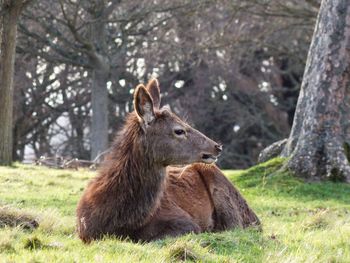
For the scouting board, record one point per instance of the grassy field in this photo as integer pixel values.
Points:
(302, 222)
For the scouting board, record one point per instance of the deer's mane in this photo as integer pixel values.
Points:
(129, 179)
(127, 149)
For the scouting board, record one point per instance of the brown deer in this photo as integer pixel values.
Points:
(138, 195)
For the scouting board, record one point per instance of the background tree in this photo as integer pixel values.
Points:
(9, 15)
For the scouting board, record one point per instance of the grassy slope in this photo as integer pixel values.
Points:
(301, 222)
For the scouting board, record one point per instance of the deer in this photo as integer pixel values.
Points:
(159, 180)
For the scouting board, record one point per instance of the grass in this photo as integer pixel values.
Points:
(302, 222)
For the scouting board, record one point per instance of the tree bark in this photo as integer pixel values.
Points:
(99, 122)
(100, 75)
(319, 140)
(8, 31)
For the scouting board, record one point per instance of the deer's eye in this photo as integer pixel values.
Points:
(179, 132)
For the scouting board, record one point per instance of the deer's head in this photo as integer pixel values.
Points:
(168, 139)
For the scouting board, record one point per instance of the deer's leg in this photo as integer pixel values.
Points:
(174, 227)
(230, 208)
(168, 225)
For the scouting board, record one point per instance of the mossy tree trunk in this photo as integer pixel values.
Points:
(318, 145)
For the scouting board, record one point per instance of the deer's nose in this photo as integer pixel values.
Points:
(218, 147)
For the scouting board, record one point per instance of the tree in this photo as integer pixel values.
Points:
(9, 14)
(318, 145)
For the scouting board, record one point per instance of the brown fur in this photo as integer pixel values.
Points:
(138, 195)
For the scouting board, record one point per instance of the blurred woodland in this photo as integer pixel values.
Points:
(232, 68)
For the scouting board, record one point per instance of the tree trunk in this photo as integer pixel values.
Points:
(100, 75)
(99, 122)
(8, 32)
(318, 146)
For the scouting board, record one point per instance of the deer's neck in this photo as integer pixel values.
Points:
(134, 180)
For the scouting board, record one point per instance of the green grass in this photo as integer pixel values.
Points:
(302, 222)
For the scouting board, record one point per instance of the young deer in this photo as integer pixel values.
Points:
(138, 195)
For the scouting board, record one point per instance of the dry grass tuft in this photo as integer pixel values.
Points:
(320, 220)
(182, 251)
(14, 217)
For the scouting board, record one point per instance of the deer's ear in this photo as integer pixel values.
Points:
(143, 105)
(153, 88)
